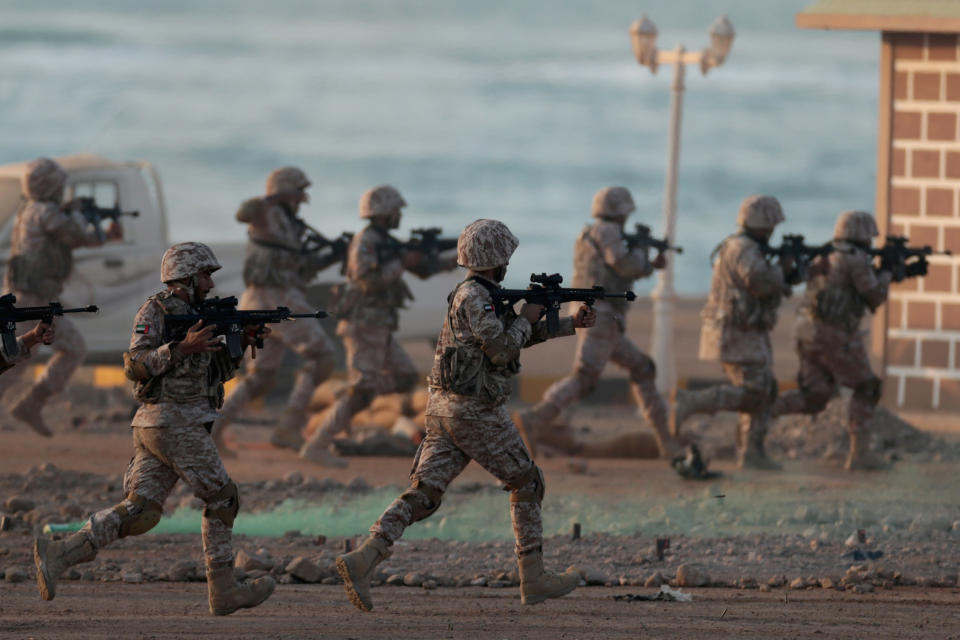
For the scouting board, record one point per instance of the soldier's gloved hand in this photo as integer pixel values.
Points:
(659, 262)
(114, 231)
(898, 272)
(585, 317)
(43, 332)
(412, 259)
(252, 334)
(915, 269)
(531, 312)
(199, 339)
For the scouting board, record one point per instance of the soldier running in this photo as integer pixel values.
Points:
(745, 294)
(829, 340)
(276, 273)
(179, 385)
(41, 260)
(477, 354)
(367, 307)
(601, 257)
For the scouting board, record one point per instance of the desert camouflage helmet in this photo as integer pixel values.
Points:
(380, 201)
(760, 212)
(286, 179)
(613, 202)
(43, 180)
(185, 260)
(485, 244)
(856, 226)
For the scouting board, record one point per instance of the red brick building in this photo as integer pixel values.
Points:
(917, 334)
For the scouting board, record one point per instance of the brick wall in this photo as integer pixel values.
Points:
(923, 203)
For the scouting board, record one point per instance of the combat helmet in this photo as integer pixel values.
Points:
(286, 179)
(485, 244)
(380, 201)
(43, 180)
(185, 260)
(856, 226)
(760, 212)
(612, 202)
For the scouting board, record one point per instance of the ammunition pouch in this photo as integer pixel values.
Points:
(747, 312)
(466, 370)
(840, 307)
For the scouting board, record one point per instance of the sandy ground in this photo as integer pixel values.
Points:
(313, 611)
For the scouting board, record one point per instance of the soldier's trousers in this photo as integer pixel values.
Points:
(304, 336)
(607, 341)
(751, 392)
(450, 444)
(163, 455)
(832, 359)
(69, 349)
(376, 364)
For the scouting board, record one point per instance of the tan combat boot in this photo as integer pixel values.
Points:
(356, 569)
(752, 454)
(53, 557)
(318, 452)
(861, 458)
(287, 434)
(536, 585)
(29, 409)
(226, 595)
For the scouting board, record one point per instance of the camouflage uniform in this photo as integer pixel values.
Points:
(276, 273)
(829, 340)
(745, 294)
(367, 306)
(601, 258)
(41, 260)
(477, 355)
(179, 395)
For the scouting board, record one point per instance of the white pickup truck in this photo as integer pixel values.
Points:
(119, 276)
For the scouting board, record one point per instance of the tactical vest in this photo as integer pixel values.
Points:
(463, 368)
(590, 268)
(195, 376)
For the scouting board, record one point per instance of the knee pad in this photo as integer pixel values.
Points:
(753, 399)
(406, 382)
(815, 399)
(229, 495)
(587, 379)
(423, 500)
(135, 522)
(645, 370)
(869, 391)
(529, 487)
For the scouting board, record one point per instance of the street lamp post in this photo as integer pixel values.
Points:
(643, 36)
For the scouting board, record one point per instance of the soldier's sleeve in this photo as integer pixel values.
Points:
(871, 287)
(762, 278)
(252, 211)
(367, 269)
(502, 345)
(628, 264)
(69, 229)
(540, 334)
(146, 343)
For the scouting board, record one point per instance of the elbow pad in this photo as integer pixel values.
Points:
(133, 369)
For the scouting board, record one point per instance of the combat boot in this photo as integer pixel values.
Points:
(287, 433)
(52, 557)
(537, 585)
(861, 458)
(226, 595)
(356, 569)
(318, 452)
(29, 409)
(752, 454)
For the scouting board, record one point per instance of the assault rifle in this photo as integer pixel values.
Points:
(95, 215)
(222, 313)
(794, 248)
(643, 240)
(314, 241)
(11, 315)
(546, 291)
(895, 253)
(425, 240)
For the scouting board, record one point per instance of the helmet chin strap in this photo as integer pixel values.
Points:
(191, 290)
